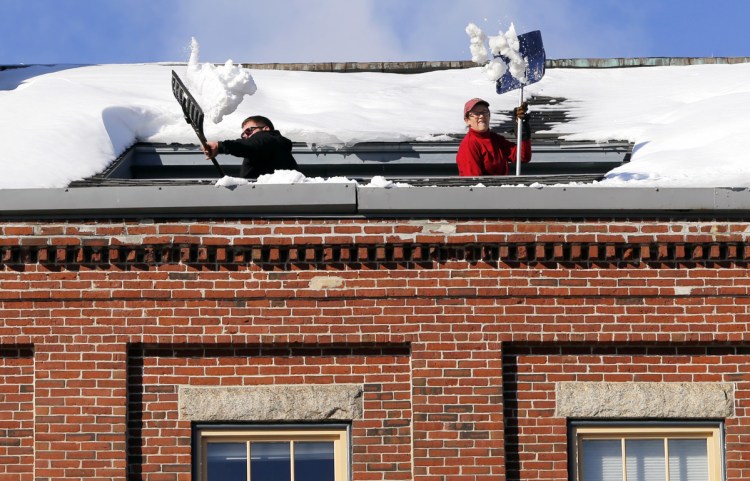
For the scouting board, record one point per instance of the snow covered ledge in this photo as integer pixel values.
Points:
(349, 199)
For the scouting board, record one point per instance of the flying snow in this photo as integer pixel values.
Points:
(218, 90)
(477, 38)
(505, 49)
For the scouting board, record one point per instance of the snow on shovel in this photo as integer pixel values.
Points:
(524, 59)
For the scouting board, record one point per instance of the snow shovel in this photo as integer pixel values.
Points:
(193, 114)
(532, 49)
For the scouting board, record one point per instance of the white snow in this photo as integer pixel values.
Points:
(477, 38)
(218, 90)
(382, 182)
(494, 69)
(228, 181)
(689, 124)
(282, 176)
(504, 46)
(507, 45)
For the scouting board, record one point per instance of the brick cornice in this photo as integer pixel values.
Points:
(603, 254)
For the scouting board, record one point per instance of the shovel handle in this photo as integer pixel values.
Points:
(204, 144)
(519, 126)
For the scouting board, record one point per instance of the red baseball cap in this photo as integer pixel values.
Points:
(471, 103)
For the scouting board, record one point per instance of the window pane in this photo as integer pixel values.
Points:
(270, 462)
(688, 460)
(644, 460)
(313, 461)
(226, 461)
(601, 460)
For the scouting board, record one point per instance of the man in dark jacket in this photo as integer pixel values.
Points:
(263, 148)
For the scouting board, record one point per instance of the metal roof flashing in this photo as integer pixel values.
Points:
(352, 200)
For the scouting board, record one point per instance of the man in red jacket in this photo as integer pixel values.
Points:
(483, 152)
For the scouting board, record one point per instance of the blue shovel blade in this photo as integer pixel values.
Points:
(532, 49)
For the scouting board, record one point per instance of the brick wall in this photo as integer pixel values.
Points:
(457, 329)
(16, 412)
(160, 442)
(536, 439)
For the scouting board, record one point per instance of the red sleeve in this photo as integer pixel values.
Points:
(467, 160)
(509, 151)
(525, 152)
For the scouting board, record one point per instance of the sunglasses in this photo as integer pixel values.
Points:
(249, 131)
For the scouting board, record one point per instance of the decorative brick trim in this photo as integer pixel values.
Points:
(511, 254)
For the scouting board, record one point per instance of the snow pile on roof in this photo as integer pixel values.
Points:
(281, 176)
(63, 123)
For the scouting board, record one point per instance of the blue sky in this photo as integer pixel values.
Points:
(248, 31)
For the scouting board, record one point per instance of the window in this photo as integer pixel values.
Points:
(646, 453)
(270, 454)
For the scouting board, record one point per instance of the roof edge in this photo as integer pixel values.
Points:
(428, 66)
(351, 200)
(421, 66)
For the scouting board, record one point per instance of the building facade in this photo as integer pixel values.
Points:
(390, 348)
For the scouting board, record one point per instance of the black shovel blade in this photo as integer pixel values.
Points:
(193, 112)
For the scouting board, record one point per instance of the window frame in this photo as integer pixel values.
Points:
(339, 434)
(712, 431)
